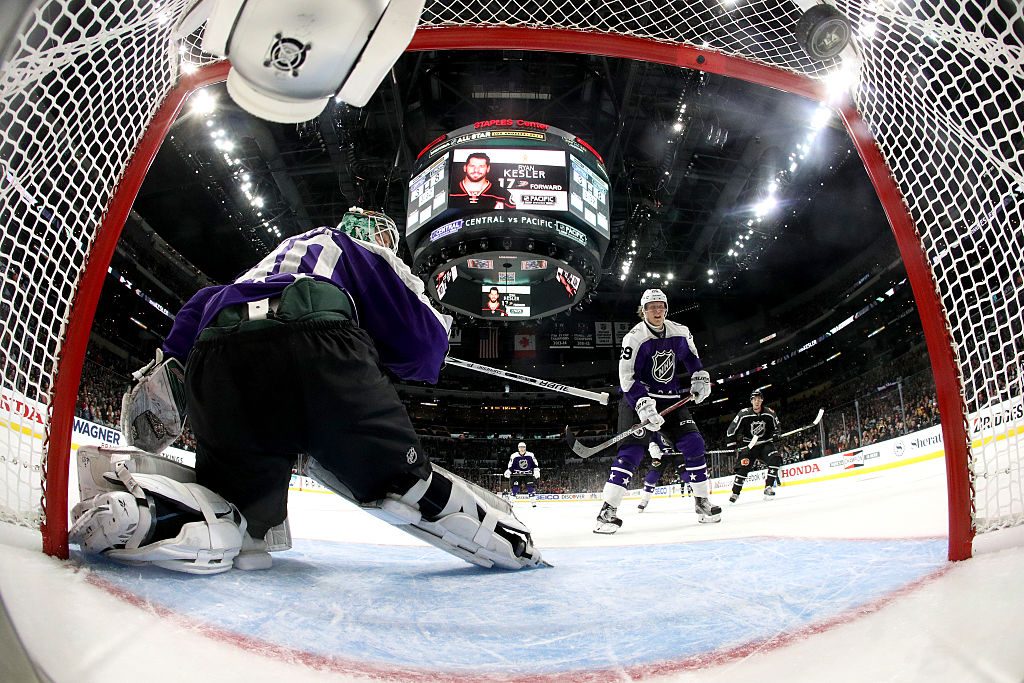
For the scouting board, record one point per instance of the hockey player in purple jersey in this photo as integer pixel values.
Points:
(523, 467)
(296, 357)
(654, 353)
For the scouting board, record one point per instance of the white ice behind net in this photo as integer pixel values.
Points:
(941, 88)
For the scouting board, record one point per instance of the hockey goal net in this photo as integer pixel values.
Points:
(936, 111)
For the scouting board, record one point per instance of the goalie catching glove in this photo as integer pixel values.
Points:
(153, 411)
(647, 411)
(700, 385)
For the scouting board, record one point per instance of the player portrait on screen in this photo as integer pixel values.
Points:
(476, 190)
(493, 305)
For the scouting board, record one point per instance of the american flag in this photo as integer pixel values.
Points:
(489, 342)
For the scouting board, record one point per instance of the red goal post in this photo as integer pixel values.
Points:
(120, 70)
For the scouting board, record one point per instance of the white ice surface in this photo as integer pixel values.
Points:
(961, 624)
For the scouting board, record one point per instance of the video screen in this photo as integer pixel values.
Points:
(505, 301)
(570, 282)
(495, 179)
(428, 195)
(588, 196)
(445, 278)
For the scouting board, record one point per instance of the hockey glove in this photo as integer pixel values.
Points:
(536, 473)
(153, 411)
(647, 410)
(700, 385)
(656, 453)
(508, 474)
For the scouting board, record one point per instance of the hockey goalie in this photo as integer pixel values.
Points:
(294, 357)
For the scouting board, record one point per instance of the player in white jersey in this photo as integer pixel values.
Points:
(523, 468)
(655, 353)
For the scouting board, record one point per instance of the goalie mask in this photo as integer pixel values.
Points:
(370, 226)
(288, 59)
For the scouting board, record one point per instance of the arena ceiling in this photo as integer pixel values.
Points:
(749, 198)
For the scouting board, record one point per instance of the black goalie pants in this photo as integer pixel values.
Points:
(262, 392)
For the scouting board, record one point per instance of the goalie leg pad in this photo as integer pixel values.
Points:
(446, 512)
(178, 526)
(95, 462)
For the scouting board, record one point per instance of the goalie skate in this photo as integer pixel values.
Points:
(707, 513)
(607, 521)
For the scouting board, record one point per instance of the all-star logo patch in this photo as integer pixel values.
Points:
(411, 456)
(663, 366)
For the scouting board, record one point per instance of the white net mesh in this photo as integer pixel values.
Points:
(940, 87)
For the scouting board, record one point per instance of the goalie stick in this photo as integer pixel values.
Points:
(600, 397)
(587, 451)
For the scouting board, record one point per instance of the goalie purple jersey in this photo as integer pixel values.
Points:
(649, 362)
(411, 337)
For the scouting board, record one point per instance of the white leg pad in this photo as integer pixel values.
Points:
(496, 540)
(121, 524)
(96, 461)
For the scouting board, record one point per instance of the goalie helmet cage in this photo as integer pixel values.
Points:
(89, 90)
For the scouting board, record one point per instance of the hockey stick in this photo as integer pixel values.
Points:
(585, 451)
(817, 419)
(748, 446)
(600, 397)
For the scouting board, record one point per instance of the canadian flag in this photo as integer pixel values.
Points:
(526, 344)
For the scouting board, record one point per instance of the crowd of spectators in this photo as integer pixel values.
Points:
(870, 412)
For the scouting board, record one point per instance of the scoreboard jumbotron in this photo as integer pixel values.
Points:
(508, 219)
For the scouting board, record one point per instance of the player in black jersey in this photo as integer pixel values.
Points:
(762, 422)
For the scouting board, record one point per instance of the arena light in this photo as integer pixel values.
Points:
(203, 103)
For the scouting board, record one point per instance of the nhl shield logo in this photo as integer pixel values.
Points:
(757, 429)
(663, 366)
(523, 463)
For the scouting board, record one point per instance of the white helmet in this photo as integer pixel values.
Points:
(289, 59)
(370, 226)
(652, 295)
(522, 444)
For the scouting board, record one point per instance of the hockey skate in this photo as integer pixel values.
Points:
(706, 512)
(769, 492)
(734, 497)
(607, 522)
(642, 506)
